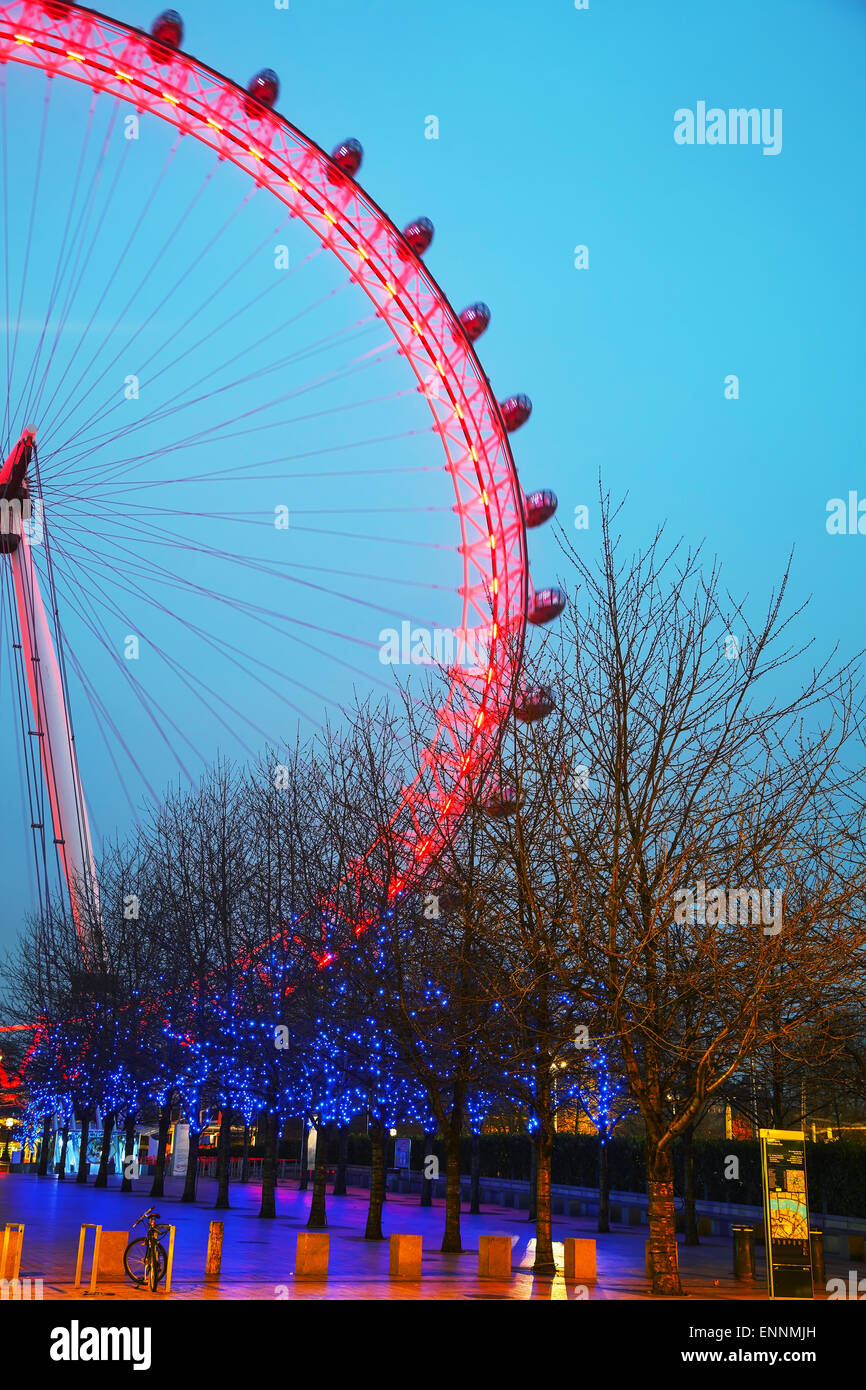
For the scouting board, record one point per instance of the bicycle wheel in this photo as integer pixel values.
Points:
(134, 1260)
(136, 1264)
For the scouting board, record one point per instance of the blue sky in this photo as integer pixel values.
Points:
(556, 130)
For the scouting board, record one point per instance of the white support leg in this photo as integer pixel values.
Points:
(57, 750)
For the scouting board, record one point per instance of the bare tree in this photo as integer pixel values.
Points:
(714, 847)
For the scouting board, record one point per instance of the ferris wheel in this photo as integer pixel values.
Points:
(249, 446)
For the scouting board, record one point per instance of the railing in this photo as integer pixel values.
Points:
(207, 1168)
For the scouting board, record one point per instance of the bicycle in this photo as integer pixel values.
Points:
(144, 1258)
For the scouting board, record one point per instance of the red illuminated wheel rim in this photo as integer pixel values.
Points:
(121, 63)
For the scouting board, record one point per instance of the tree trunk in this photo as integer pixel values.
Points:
(533, 1182)
(82, 1174)
(318, 1218)
(377, 1182)
(158, 1185)
(342, 1162)
(662, 1222)
(61, 1176)
(268, 1129)
(105, 1151)
(245, 1159)
(544, 1262)
(42, 1170)
(475, 1175)
(305, 1141)
(451, 1242)
(129, 1153)
(692, 1237)
(223, 1146)
(603, 1185)
(191, 1164)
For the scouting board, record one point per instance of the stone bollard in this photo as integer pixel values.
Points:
(580, 1260)
(10, 1255)
(214, 1250)
(109, 1269)
(404, 1258)
(494, 1257)
(311, 1259)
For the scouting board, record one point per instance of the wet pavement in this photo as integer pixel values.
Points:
(259, 1255)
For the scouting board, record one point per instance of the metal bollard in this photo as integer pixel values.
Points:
(744, 1251)
(816, 1246)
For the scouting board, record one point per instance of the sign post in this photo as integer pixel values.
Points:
(786, 1214)
(180, 1150)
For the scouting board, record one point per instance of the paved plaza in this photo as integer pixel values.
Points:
(259, 1256)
